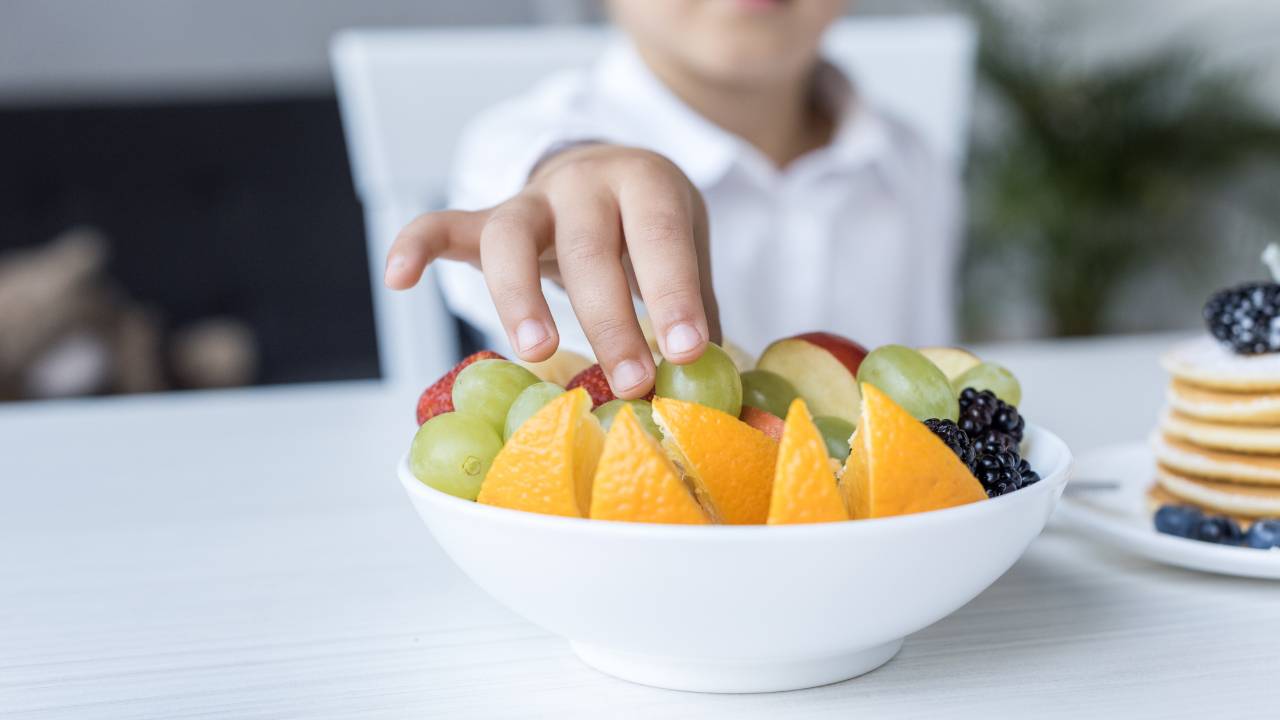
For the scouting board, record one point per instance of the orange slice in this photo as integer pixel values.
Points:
(547, 465)
(907, 468)
(636, 482)
(729, 462)
(853, 479)
(804, 488)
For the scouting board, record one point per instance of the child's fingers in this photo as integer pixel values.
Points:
(589, 249)
(659, 228)
(452, 234)
(510, 242)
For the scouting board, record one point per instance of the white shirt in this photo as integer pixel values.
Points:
(860, 237)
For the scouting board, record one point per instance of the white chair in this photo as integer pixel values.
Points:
(405, 96)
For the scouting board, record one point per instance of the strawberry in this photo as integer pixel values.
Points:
(597, 386)
(762, 420)
(595, 383)
(438, 398)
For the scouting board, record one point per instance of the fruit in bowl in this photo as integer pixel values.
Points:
(913, 382)
(721, 427)
(712, 380)
(656, 535)
(952, 361)
(823, 369)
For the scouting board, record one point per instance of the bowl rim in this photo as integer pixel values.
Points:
(1052, 480)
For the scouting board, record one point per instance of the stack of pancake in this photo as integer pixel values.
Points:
(1218, 443)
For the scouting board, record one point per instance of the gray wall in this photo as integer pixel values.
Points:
(1229, 31)
(72, 50)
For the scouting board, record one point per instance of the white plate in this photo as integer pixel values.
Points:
(1120, 518)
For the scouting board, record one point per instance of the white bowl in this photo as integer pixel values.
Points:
(742, 608)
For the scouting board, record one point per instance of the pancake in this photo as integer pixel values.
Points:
(1252, 439)
(1186, 458)
(1206, 363)
(1250, 501)
(1230, 407)
(1158, 496)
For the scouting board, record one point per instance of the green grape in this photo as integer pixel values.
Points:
(768, 391)
(452, 453)
(993, 377)
(487, 389)
(529, 401)
(711, 380)
(643, 410)
(912, 381)
(836, 433)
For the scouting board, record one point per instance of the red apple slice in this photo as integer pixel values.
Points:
(764, 421)
(952, 361)
(823, 367)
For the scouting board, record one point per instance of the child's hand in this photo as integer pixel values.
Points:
(588, 217)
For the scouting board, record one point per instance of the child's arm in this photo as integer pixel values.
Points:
(587, 217)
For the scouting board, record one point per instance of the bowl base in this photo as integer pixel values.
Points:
(728, 676)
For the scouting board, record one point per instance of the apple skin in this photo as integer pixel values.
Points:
(848, 352)
(764, 421)
(823, 368)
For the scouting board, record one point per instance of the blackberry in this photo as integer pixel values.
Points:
(956, 439)
(989, 421)
(994, 441)
(1029, 476)
(1009, 421)
(977, 410)
(1001, 472)
(1246, 318)
(994, 430)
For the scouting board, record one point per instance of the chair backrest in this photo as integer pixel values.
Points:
(405, 96)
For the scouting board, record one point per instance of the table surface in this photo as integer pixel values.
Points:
(249, 554)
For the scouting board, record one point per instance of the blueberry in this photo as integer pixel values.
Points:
(1263, 534)
(1217, 529)
(1177, 520)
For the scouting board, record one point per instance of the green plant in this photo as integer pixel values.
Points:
(1098, 171)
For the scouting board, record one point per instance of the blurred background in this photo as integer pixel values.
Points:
(177, 208)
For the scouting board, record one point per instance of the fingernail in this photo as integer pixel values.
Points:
(628, 374)
(529, 335)
(682, 338)
(394, 263)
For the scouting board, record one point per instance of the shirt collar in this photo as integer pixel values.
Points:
(862, 135)
(704, 150)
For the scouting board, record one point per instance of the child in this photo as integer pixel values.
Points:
(714, 137)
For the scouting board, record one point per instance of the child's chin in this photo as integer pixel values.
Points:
(760, 5)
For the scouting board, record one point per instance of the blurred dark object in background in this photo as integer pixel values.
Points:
(1097, 175)
(67, 329)
(236, 210)
(214, 353)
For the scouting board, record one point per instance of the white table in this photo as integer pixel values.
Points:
(249, 554)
